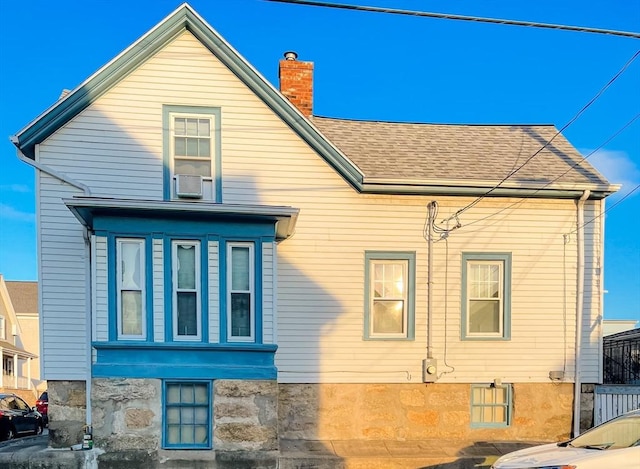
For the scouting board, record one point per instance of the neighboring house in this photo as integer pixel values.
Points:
(622, 358)
(19, 338)
(613, 326)
(220, 269)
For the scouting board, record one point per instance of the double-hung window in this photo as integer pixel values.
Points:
(491, 405)
(186, 286)
(131, 314)
(389, 295)
(187, 415)
(192, 147)
(240, 292)
(486, 294)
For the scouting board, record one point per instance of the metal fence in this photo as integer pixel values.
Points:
(622, 358)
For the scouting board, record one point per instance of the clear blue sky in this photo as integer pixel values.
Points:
(367, 66)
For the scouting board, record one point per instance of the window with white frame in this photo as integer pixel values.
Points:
(491, 405)
(486, 280)
(3, 331)
(240, 292)
(130, 273)
(186, 287)
(192, 153)
(389, 291)
(187, 415)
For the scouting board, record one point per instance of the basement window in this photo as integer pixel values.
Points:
(187, 415)
(491, 405)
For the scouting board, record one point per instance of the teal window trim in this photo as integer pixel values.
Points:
(478, 407)
(257, 288)
(204, 288)
(112, 288)
(216, 165)
(505, 260)
(181, 408)
(410, 257)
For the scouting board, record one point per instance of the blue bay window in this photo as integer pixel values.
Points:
(163, 262)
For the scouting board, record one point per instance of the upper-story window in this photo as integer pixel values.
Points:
(130, 273)
(187, 322)
(3, 333)
(192, 153)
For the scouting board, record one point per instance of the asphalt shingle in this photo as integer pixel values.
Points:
(416, 151)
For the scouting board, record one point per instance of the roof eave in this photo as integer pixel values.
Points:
(183, 18)
(84, 209)
(481, 188)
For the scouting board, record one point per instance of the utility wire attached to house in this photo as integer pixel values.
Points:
(571, 168)
(564, 127)
(447, 16)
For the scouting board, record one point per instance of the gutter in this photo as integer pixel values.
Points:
(88, 284)
(579, 314)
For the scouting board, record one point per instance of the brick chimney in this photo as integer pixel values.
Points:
(296, 82)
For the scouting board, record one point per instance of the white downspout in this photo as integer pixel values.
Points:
(579, 314)
(87, 237)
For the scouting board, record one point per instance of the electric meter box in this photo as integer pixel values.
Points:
(429, 370)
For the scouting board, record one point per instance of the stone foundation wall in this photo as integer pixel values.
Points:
(587, 403)
(127, 414)
(245, 415)
(67, 413)
(417, 411)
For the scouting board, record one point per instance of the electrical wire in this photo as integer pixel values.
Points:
(572, 167)
(626, 196)
(460, 17)
(537, 152)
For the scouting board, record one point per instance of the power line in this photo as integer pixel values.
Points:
(575, 165)
(626, 196)
(447, 16)
(537, 152)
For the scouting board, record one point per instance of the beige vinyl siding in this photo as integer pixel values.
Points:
(158, 290)
(101, 312)
(214, 291)
(320, 270)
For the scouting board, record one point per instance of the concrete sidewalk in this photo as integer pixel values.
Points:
(387, 454)
(33, 452)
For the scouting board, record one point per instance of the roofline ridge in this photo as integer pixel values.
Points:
(459, 124)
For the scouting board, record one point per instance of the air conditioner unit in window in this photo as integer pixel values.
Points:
(188, 186)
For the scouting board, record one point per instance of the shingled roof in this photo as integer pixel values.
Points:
(415, 151)
(24, 296)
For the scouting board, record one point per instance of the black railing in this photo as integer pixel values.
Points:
(622, 358)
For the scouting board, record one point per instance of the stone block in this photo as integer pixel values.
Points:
(138, 418)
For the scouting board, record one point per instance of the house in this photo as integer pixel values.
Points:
(19, 339)
(221, 269)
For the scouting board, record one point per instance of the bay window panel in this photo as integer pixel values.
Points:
(187, 313)
(186, 290)
(186, 266)
(131, 312)
(240, 297)
(130, 286)
(240, 268)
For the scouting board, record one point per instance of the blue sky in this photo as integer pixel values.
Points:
(367, 66)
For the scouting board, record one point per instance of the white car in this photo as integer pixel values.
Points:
(612, 445)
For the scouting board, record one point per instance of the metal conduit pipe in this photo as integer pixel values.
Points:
(579, 313)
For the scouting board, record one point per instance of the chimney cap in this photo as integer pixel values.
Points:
(290, 55)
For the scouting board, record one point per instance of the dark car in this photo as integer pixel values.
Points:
(17, 418)
(42, 406)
